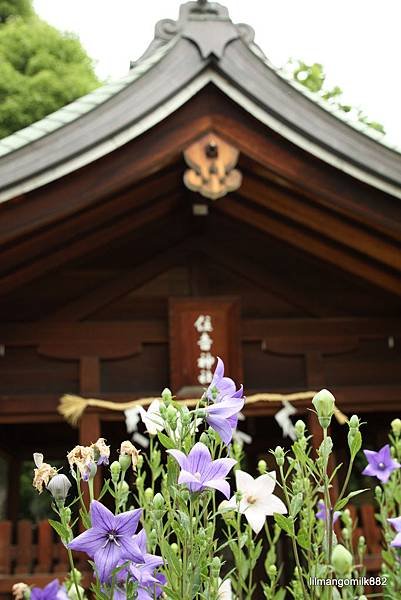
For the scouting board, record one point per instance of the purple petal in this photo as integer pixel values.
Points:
(130, 549)
(219, 370)
(89, 541)
(107, 559)
(141, 540)
(181, 458)
(127, 522)
(187, 477)
(396, 541)
(199, 458)
(384, 455)
(226, 408)
(396, 523)
(222, 427)
(219, 484)
(370, 470)
(101, 517)
(220, 468)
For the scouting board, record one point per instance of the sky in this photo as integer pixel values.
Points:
(357, 41)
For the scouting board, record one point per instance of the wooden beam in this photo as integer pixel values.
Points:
(321, 220)
(310, 243)
(81, 223)
(89, 243)
(114, 289)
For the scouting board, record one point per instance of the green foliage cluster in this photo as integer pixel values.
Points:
(313, 78)
(41, 69)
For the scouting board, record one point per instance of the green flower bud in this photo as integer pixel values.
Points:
(174, 547)
(272, 572)
(342, 560)
(171, 413)
(125, 461)
(115, 470)
(280, 456)
(139, 461)
(153, 537)
(324, 403)
(158, 502)
(378, 492)
(262, 467)
(167, 396)
(185, 494)
(148, 495)
(396, 427)
(353, 423)
(345, 534)
(300, 428)
(215, 566)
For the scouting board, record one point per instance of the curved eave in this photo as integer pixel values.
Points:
(180, 74)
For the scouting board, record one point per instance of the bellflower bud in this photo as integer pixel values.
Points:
(272, 572)
(174, 547)
(324, 403)
(204, 438)
(148, 495)
(396, 427)
(280, 456)
(59, 486)
(115, 470)
(300, 428)
(215, 566)
(167, 396)
(342, 560)
(158, 502)
(262, 467)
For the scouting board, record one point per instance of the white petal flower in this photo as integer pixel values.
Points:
(152, 418)
(224, 592)
(258, 500)
(132, 418)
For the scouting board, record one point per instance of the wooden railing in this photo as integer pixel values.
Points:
(31, 553)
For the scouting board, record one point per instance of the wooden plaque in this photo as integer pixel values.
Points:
(201, 329)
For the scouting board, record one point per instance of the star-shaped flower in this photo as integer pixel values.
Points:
(258, 500)
(109, 540)
(221, 386)
(199, 471)
(381, 464)
(396, 523)
(322, 512)
(53, 591)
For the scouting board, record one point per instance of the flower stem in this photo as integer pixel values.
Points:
(74, 578)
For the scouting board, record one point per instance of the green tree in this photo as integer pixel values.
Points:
(313, 78)
(41, 69)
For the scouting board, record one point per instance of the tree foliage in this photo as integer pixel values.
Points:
(313, 78)
(41, 69)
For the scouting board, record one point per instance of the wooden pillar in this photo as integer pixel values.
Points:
(90, 426)
(316, 380)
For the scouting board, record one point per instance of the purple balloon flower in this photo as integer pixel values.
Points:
(199, 471)
(149, 582)
(223, 416)
(396, 523)
(322, 512)
(221, 386)
(53, 591)
(381, 464)
(109, 541)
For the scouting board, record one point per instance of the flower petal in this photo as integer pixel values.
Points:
(396, 541)
(219, 484)
(396, 523)
(101, 517)
(222, 427)
(255, 518)
(219, 468)
(272, 504)
(89, 541)
(199, 458)
(106, 559)
(245, 482)
(265, 484)
(127, 522)
(187, 477)
(130, 549)
(181, 458)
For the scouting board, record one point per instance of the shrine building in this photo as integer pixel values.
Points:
(202, 206)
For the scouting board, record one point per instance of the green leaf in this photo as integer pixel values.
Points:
(341, 503)
(165, 441)
(285, 523)
(303, 539)
(61, 529)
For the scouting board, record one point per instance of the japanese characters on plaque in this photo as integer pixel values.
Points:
(206, 360)
(201, 329)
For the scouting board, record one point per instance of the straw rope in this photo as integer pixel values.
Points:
(73, 407)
